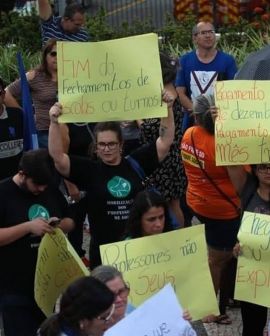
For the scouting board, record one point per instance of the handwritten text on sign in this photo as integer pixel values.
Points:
(178, 257)
(242, 129)
(57, 266)
(253, 271)
(112, 80)
(161, 315)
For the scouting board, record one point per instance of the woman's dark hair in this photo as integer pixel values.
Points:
(85, 298)
(48, 47)
(201, 110)
(113, 126)
(145, 200)
(169, 68)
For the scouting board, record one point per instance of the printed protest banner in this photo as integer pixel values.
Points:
(160, 315)
(110, 80)
(57, 266)
(253, 270)
(242, 130)
(178, 257)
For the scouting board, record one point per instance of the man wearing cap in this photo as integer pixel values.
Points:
(28, 203)
(68, 27)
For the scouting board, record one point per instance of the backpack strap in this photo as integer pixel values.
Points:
(137, 167)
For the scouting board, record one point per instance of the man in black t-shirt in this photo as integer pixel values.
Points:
(11, 136)
(28, 204)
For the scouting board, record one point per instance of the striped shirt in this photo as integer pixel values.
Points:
(52, 29)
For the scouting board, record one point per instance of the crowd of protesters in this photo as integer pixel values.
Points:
(63, 181)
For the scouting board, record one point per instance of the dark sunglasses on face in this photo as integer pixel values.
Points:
(53, 53)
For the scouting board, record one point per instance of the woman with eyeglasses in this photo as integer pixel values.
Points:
(86, 308)
(111, 182)
(43, 87)
(113, 279)
(254, 191)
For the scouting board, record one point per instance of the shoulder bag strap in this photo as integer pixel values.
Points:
(222, 193)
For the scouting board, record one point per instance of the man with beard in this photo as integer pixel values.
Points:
(29, 203)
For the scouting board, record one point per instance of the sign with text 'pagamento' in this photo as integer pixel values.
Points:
(242, 129)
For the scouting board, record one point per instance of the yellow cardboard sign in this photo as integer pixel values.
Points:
(252, 282)
(178, 257)
(58, 265)
(110, 80)
(242, 130)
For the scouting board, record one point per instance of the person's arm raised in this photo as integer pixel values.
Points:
(167, 127)
(45, 9)
(56, 149)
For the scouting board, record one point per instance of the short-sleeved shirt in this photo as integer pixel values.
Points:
(251, 200)
(43, 91)
(52, 28)
(198, 77)
(202, 196)
(111, 190)
(18, 259)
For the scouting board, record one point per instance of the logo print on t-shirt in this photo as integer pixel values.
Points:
(118, 187)
(38, 211)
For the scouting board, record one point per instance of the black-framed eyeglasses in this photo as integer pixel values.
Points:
(263, 168)
(123, 292)
(53, 53)
(111, 145)
(206, 32)
(107, 318)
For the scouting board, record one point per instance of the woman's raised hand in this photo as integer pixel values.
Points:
(55, 112)
(168, 97)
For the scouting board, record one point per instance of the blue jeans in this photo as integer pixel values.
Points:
(21, 315)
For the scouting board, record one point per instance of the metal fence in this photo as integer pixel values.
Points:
(130, 11)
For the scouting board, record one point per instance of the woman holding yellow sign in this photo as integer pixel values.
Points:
(111, 182)
(254, 190)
